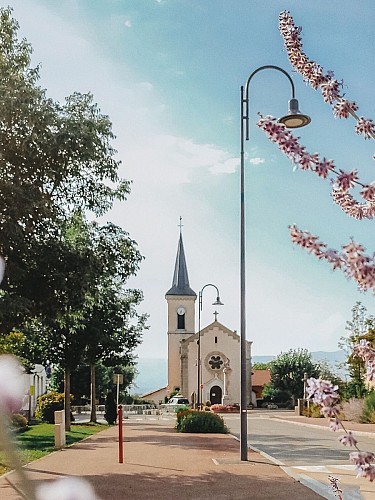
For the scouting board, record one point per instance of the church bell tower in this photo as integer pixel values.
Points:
(181, 317)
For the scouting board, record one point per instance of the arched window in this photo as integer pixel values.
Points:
(180, 321)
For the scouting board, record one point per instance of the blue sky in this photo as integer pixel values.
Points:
(168, 73)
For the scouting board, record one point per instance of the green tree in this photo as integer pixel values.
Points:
(55, 159)
(57, 163)
(287, 375)
(360, 327)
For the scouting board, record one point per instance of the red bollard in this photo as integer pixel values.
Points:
(120, 439)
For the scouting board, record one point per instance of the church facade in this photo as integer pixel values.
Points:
(219, 347)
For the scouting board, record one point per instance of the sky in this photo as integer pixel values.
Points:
(168, 73)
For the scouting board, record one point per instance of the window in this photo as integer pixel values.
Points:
(216, 362)
(215, 340)
(180, 321)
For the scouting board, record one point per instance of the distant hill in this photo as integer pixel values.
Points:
(153, 373)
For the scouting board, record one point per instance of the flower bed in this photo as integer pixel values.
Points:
(217, 408)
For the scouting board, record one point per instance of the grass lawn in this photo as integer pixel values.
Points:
(39, 440)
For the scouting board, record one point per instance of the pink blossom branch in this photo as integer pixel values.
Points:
(352, 261)
(324, 394)
(342, 181)
(314, 75)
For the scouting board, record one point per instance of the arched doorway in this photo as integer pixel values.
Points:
(216, 395)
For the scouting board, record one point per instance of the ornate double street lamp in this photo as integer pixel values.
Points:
(199, 361)
(293, 119)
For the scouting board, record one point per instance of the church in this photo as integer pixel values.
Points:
(215, 346)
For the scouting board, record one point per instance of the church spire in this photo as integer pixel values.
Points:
(180, 283)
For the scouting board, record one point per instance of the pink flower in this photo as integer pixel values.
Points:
(366, 128)
(367, 471)
(368, 192)
(361, 457)
(346, 180)
(343, 108)
(334, 425)
(323, 168)
(330, 90)
(67, 488)
(348, 439)
(11, 383)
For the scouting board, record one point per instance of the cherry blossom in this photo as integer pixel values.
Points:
(352, 260)
(314, 75)
(342, 181)
(67, 488)
(348, 439)
(11, 383)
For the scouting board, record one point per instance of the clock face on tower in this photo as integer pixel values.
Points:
(180, 311)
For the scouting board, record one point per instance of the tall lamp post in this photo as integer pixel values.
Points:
(293, 119)
(199, 363)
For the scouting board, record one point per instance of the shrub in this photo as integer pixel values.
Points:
(368, 415)
(201, 421)
(18, 421)
(48, 404)
(353, 409)
(110, 409)
(312, 411)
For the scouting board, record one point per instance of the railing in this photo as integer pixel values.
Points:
(129, 409)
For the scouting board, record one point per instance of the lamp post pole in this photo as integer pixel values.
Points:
(199, 363)
(294, 119)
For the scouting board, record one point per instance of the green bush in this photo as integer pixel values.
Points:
(313, 411)
(48, 404)
(200, 421)
(368, 415)
(110, 409)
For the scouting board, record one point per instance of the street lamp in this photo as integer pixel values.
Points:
(199, 363)
(293, 119)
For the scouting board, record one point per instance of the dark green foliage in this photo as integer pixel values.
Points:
(200, 422)
(287, 373)
(47, 405)
(361, 327)
(369, 409)
(110, 409)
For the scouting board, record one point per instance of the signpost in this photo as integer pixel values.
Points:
(118, 379)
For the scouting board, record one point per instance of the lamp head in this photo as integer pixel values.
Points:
(217, 302)
(294, 118)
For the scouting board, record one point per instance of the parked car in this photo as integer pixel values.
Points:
(178, 400)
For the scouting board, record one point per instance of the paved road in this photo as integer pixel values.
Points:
(293, 444)
(307, 453)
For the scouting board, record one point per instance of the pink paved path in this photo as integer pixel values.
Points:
(160, 463)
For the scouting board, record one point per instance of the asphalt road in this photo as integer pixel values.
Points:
(294, 445)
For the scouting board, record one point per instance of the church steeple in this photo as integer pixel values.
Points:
(180, 283)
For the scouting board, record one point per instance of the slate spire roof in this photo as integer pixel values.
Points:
(180, 283)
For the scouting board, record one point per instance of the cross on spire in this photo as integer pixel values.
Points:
(216, 314)
(180, 225)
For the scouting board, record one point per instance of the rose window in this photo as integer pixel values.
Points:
(216, 362)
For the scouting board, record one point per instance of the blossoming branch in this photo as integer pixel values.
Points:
(314, 74)
(352, 261)
(324, 394)
(342, 181)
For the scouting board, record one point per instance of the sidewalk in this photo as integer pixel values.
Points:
(160, 463)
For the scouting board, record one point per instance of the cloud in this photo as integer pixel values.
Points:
(128, 23)
(256, 161)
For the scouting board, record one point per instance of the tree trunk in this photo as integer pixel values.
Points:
(67, 398)
(93, 394)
